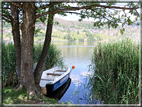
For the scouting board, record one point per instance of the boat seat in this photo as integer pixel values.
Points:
(53, 74)
(60, 71)
(47, 79)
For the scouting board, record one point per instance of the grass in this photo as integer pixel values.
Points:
(116, 72)
(9, 64)
(105, 37)
(11, 96)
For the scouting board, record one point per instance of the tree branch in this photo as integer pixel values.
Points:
(75, 13)
(84, 7)
(48, 5)
(137, 13)
(5, 8)
(40, 15)
(8, 17)
(89, 7)
(17, 4)
(100, 14)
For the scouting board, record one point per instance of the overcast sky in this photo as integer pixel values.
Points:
(72, 17)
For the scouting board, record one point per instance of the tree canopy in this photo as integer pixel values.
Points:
(107, 13)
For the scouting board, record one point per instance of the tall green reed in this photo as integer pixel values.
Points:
(53, 58)
(8, 64)
(9, 77)
(116, 72)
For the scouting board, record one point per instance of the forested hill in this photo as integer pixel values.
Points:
(72, 31)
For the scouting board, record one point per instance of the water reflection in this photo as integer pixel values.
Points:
(76, 79)
(60, 91)
(87, 73)
(78, 54)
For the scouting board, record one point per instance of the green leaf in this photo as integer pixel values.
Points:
(122, 31)
(56, 23)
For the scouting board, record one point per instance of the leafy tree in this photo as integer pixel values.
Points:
(90, 39)
(78, 32)
(88, 34)
(24, 15)
(64, 37)
(68, 36)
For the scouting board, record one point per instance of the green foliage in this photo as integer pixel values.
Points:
(116, 76)
(84, 30)
(37, 30)
(53, 57)
(9, 62)
(91, 39)
(11, 96)
(122, 31)
(68, 36)
(56, 23)
(88, 34)
(104, 16)
(78, 32)
(8, 65)
(81, 40)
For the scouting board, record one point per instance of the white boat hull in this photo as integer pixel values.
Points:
(53, 79)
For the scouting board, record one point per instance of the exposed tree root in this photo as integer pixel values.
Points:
(38, 95)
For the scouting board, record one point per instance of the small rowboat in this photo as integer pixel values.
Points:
(57, 94)
(53, 78)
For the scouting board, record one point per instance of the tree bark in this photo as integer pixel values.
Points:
(16, 37)
(28, 28)
(41, 63)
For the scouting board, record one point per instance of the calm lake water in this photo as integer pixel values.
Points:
(78, 54)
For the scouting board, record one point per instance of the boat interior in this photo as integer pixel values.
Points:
(57, 73)
(51, 75)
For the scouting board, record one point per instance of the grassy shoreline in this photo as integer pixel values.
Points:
(116, 72)
(10, 78)
(11, 96)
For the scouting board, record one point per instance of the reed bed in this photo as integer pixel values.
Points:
(10, 77)
(8, 65)
(116, 72)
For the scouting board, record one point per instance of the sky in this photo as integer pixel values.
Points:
(72, 17)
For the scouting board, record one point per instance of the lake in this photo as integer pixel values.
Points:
(78, 54)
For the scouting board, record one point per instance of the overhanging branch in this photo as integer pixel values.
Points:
(5, 8)
(48, 5)
(17, 4)
(84, 7)
(76, 13)
(100, 14)
(8, 17)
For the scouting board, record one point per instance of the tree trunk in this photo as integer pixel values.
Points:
(28, 28)
(41, 63)
(16, 37)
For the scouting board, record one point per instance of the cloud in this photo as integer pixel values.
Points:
(76, 79)
(87, 73)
